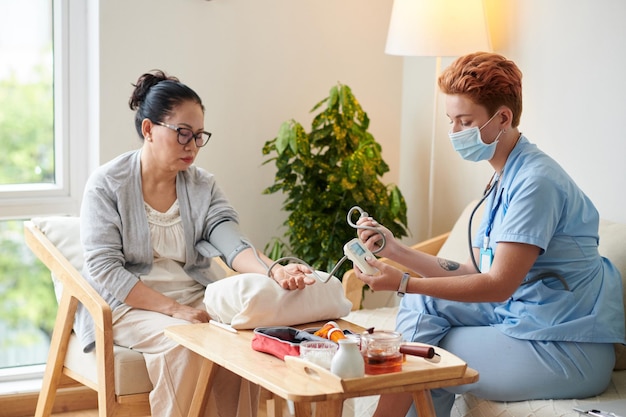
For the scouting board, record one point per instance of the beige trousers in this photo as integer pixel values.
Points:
(174, 369)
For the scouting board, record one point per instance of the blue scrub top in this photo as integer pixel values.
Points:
(537, 203)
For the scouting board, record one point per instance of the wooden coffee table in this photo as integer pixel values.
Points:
(304, 383)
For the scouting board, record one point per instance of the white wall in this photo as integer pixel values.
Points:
(257, 63)
(576, 90)
(573, 57)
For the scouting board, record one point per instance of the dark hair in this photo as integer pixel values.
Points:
(155, 96)
(488, 79)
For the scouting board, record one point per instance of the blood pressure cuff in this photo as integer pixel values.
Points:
(227, 238)
(281, 341)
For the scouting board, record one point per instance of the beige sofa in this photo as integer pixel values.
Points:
(453, 245)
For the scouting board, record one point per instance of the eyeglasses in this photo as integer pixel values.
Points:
(185, 135)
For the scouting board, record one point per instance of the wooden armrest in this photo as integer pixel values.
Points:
(433, 245)
(73, 282)
(353, 287)
(75, 289)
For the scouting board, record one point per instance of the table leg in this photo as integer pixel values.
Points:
(424, 403)
(302, 409)
(271, 404)
(202, 391)
(331, 408)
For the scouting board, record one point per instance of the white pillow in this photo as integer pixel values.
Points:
(64, 233)
(247, 301)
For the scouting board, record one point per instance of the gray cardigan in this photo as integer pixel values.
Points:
(116, 238)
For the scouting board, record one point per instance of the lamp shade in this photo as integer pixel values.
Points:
(437, 28)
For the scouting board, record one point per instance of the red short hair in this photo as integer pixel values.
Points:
(487, 79)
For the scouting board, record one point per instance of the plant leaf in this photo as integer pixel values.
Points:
(284, 135)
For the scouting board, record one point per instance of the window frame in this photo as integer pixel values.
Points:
(75, 60)
(74, 142)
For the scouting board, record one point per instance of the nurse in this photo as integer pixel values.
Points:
(536, 309)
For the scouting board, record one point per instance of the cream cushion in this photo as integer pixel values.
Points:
(131, 375)
(456, 246)
(613, 246)
(247, 301)
(64, 233)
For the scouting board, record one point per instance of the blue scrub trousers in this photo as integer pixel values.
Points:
(510, 369)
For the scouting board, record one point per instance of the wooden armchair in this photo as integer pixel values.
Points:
(117, 374)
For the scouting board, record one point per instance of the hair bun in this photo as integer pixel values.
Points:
(144, 84)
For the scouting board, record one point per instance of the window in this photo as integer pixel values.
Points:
(41, 152)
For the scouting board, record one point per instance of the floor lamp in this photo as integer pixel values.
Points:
(436, 28)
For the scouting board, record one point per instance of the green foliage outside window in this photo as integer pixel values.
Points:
(26, 130)
(27, 302)
(325, 172)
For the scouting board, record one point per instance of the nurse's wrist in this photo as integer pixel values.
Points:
(404, 283)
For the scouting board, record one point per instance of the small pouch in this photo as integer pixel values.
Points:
(281, 340)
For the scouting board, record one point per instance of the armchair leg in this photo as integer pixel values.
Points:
(56, 357)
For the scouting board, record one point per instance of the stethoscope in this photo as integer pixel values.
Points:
(493, 184)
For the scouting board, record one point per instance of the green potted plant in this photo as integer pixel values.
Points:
(323, 174)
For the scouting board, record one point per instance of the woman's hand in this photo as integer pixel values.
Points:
(192, 315)
(372, 239)
(388, 279)
(292, 276)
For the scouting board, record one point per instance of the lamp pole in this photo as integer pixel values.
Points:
(436, 28)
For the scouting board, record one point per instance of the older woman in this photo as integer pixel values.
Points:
(151, 222)
(536, 309)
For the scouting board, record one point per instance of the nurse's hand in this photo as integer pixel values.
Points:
(388, 279)
(372, 238)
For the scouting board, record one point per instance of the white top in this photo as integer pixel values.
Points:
(168, 245)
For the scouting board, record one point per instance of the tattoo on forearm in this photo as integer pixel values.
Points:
(448, 265)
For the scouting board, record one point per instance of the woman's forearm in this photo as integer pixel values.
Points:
(145, 298)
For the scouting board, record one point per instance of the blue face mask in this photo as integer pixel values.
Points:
(469, 144)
